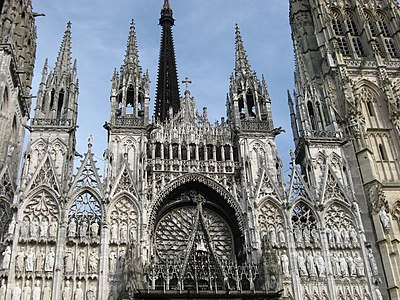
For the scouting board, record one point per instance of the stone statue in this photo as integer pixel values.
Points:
(121, 262)
(302, 265)
(19, 261)
(344, 269)
(312, 271)
(72, 228)
(378, 294)
(307, 236)
(372, 263)
(78, 291)
(47, 291)
(80, 262)
(69, 262)
(37, 291)
(83, 228)
(281, 236)
(315, 237)
(338, 237)
(114, 231)
(385, 219)
(49, 264)
(53, 228)
(91, 292)
(40, 261)
(44, 228)
(345, 238)
(112, 261)
(352, 266)
(26, 292)
(285, 264)
(3, 289)
(23, 231)
(6, 258)
(335, 265)
(94, 228)
(67, 292)
(298, 235)
(93, 262)
(320, 264)
(16, 292)
(29, 260)
(11, 226)
(123, 233)
(353, 238)
(34, 229)
(359, 265)
(330, 237)
(272, 236)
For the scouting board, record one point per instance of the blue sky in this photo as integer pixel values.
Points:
(204, 45)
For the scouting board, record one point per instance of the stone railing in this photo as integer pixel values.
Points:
(256, 126)
(129, 121)
(52, 122)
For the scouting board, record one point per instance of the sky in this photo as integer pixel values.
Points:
(204, 37)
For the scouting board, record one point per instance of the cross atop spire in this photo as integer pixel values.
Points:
(63, 63)
(242, 63)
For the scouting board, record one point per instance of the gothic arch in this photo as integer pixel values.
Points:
(130, 198)
(196, 180)
(36, 191)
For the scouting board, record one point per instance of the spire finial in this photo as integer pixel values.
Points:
(63, 63)
(242, 63)
(131, 55)
(187, 82)
(166, 14)
(166, 5)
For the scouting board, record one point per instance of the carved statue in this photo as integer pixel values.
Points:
(344, 269)
(37, 291)
(83, 228)
(359, 265)
(378, 294)
(372, 263)
(94, 228)
(112, 261)
(72, 228)
(298, 235)
(26, 292)
(91, 292)
(315, 237)
(53, 228)
(352, 266)
(24, 229)
(121, 262)
(330, 237)
(114, 231)
(78, 291)
(281, 236)
(67, 292)
(69, 262)
(16, 292)
(19, 261)
(11, 226)
(320, 264)
(385, 219)
(6, 258)
(29, 260)
(47, 291)
(285, 264)
(44, 228)
(312, 271)
(40, 261)
(3, 289)
(49, 264)
(353, 238)
(338, 237)
(93, 262)
(345, 238)
(302, 265)
(123, 233)
(80, 262)
(33, 229)
(307, 236)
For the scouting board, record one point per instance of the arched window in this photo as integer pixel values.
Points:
(310, 109)
(4, 102)
(337, 23)
(304, 226)
(383, 28)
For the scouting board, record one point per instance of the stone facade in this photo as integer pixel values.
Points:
(190, 207)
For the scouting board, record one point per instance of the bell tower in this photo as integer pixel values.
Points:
(345, 115)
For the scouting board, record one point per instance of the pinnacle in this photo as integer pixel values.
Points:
(242, 63)
(63, 63)
(166, 5)
(131, 55)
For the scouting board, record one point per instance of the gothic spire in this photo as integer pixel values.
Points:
(131, 55)
(242, 65)
(167, 85)
(63, 63)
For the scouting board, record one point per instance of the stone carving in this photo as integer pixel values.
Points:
(34, 229)
(93, 262)
(302, 266)
(16, 292)
(37, 291)
(72, 228)
(78, 291)
(80, 262)
(47, 291)
(24, 229)
(94, 228)
(378, 294)
(312, 270)
(53, 229)
(83, 228)
(6, 258)
(123, 217)
(26, 292)
(49, 263)
(359, 265)
(29, 260)
(19, 260)
(123, 232)
(303, 220)
(40, 259)
(320, 265)
(69, 261)
(372, 263)
(285, 264)
(11, 226)
(352, 266)
(112, 262)
(344, 268)
(3, 289)
(67, 292)
(91, 292)
(44, 228)
(270, 221)
(385, 219)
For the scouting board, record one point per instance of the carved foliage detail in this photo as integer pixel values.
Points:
(123, 222)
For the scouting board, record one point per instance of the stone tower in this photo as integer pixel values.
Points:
(17, 58)
(346, 118)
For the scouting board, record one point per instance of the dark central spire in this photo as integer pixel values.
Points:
(167, 85)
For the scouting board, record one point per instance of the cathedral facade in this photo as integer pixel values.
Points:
(193, 209)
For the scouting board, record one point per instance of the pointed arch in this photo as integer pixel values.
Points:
(305, 225)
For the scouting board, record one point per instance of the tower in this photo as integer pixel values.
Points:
(17, 58)
(346, 116)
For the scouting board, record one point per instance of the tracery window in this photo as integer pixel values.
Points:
(343, 46)
(336, 23)
(391, 48)
(384, 29)
(305, 227)
(271, 225)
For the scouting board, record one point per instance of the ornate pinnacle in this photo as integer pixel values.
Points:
(242, 63)
(63, 63)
